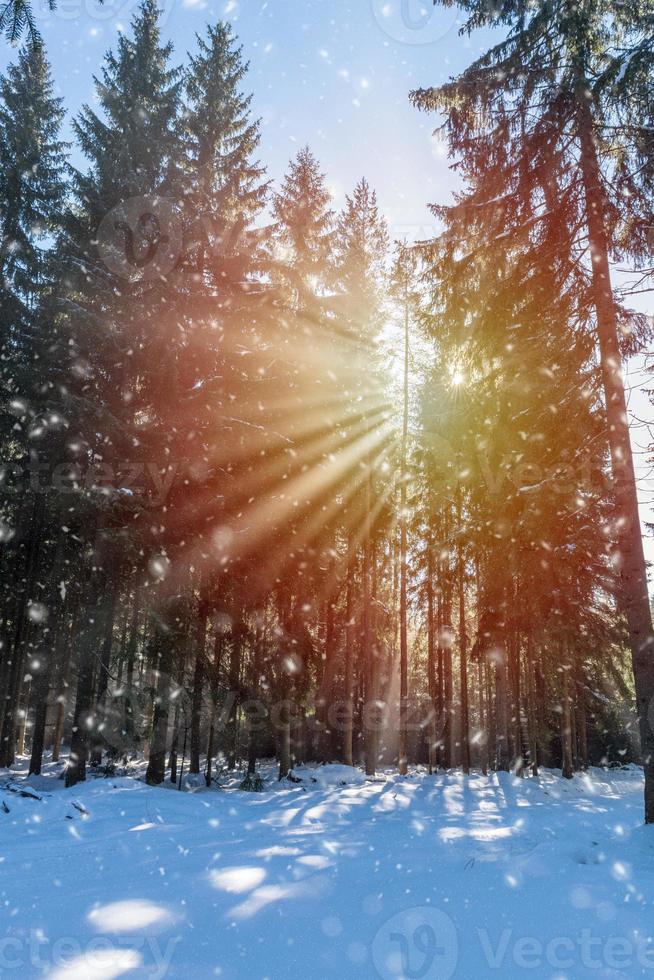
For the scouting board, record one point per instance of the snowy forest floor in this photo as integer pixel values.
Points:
(424, 877)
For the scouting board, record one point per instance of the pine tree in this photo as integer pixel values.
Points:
(544, 100)
(403, 284)
(119, 249)
(361, 244)
(33, 189)
(227, 312)
(17, 18)
(225, 189)
(303, 229)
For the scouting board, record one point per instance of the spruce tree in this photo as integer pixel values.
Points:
(310, 406)
(361, 244)
(17, 18)
(544, 102)
(222, 310)
(304, 222)
(33, 190)
(121, 247)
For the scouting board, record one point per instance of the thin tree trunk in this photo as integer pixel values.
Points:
(42, 686)
(83, 718)
(284, 741)
(566, 729)
(235, 657)
(130, 695)
(163, 657)
(198, 680)
(448, 676)
(532, 720)
(174, 742)
(404, 655)
(254, 694)
(348, 721)
(516, 705)
(284, 721)
(370, 710)
(104, 668)
(501, 710)
(431, 656)
(582, 723)
(463, 649)
(16, 671)
(483, 725)
(64, 682)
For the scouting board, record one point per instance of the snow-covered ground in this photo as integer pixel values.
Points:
(422, 877)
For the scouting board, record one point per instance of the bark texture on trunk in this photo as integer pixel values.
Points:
(634, 596)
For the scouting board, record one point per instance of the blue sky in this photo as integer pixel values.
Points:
(332, 74)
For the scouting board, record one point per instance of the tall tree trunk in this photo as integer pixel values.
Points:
(286, 617)
(368, 654)
(105, 666)
(463, 647)
(235, 657)
(215, 677)
(284, 741)
(502, 709)
(42, 683)
(16, 670)
(166, 658)
(156, 771)
(84, 717)
(199, 645)
(324, 696)
(174, 743)
(46, 656)
(633, 573)
(431, 656)
(582, 723)
(348, 721)
(483, 716)
(566, 725)
(254, 696)
(68, 637)
(404, 654)
(22, 719)
(532, 719)
(440, 679)
(132, 645)
(518, 763)
(448, 675)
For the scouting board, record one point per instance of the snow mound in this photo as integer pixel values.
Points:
(324, 777)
